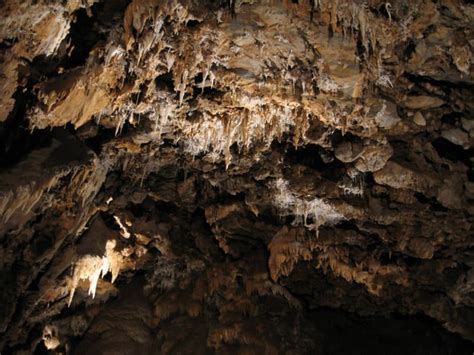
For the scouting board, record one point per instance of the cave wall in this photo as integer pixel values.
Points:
(236, 176)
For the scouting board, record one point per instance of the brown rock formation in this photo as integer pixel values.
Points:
(243, 176)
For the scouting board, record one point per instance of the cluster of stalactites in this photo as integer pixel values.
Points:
(316, 209)
(92, 267)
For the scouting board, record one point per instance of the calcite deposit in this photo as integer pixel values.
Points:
(236, 176)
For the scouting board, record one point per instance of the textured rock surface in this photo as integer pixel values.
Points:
(237, 176)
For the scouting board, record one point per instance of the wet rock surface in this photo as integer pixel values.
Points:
(239, 176)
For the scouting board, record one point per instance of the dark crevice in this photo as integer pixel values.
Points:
(348, 225)
(41, 349)
(316, 158)
(207, 91)
(437, 207)
(460, 84)
(453, 152)
(369, 180)
(212, 93)
(103, 136)
(433, 203)
(84, 35)
(451, 118)
(16, 138)
(422, 198)
(192, 23)
(91, 27)
(44, 67)
(409, 50)
(382, 11)
(165, 82)
(137, 209)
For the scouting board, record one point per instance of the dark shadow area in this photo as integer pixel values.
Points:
(16, 138)
(451, 151)
(165, 82)
(346, 333)
(311, 156)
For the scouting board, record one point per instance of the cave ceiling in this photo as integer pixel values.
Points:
(242, 176)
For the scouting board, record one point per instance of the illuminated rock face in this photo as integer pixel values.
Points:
(236, 176)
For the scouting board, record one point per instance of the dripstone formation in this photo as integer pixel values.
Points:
(236, 177)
